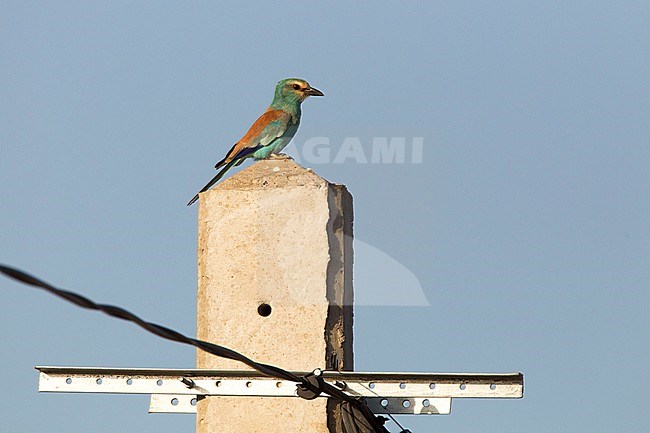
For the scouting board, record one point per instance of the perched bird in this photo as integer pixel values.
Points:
(272, 131)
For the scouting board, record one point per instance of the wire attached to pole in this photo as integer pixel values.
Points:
(376, 423)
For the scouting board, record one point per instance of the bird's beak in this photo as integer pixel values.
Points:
(312, 91)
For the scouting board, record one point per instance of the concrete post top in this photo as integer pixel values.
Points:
(278, 172)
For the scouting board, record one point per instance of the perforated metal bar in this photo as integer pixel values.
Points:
(250, 383)
(177, 391)
(165, 403)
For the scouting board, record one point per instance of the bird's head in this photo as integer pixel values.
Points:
(295, 89)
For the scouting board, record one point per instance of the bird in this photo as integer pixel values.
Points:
(271, 132)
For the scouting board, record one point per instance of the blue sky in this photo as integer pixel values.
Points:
(524, 226)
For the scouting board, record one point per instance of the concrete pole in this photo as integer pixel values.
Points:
(275, 283)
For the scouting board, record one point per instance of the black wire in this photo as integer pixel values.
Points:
(214, 349)
(352, 420)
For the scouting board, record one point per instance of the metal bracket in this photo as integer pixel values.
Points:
(177, 391)
(166, 403)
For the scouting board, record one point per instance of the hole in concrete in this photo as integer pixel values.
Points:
(159, 382)
(402, 385)
(278, 384)
(98, 381)
(406, 404)
(432, 386)
(129, 382)
(68, 381)
(193, 402)
(426, 402)
(462, 386)
(174, 401)
(493, 387)
(371, 385)
(218, 383)
(383, 402)
(249, 384)
(264, 310)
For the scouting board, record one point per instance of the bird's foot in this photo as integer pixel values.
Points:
(279, 156)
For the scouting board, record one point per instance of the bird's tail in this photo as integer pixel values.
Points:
(215, 179)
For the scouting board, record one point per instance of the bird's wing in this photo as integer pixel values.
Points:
(268, 127)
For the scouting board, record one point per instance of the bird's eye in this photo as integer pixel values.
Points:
(296, 87)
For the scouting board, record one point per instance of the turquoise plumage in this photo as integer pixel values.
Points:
(271, 132)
